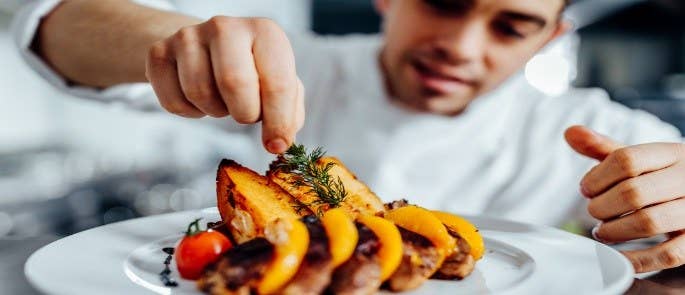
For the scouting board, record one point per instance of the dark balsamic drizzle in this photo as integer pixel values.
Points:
(164, 275)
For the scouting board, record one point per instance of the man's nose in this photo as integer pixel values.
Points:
(464, 42)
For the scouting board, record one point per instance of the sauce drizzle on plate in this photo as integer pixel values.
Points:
(164, 275)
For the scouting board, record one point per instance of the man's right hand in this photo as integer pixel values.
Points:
(242, 67)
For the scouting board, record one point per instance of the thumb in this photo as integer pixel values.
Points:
(589, 143)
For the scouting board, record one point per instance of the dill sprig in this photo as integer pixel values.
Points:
(308, 173)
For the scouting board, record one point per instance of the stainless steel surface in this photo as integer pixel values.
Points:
(13, 255)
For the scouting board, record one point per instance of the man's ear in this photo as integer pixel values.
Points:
(381, 6)
(563, 26)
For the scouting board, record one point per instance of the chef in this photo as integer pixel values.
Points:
(434, 110)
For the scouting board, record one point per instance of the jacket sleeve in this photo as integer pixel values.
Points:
(26, 21)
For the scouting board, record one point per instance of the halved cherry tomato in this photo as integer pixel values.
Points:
(198, 249)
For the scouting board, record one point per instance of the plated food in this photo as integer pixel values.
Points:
(309, 226)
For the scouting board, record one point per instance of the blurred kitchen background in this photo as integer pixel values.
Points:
(67, 164)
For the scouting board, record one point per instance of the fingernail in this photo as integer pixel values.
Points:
(595, 234)
(594, 231)
(276, 146)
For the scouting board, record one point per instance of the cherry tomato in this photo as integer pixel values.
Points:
(198, 249)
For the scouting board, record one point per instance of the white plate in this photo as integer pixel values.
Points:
(126, 257)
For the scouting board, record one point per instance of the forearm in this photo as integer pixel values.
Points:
(104, 42)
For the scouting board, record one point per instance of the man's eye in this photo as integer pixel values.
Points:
(508, 30)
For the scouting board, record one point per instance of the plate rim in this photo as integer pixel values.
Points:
(621, 285)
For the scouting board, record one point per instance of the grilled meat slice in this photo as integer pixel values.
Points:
(420, 260)
(361, 273)
(396, 204)
(239, 269)
(360, 199)
(316, 269)
(459, 264)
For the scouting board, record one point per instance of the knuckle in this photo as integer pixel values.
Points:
(219, 20)
(627, 160)
(646, 223)
(593, 209)
(278, 87)
(220, 23)
(263, 24)
(236, 81)
(672, 257)
(641, 263)
(158, 52)
(171, 107)
(246, 117)
(185, 36)
(220, 113)
(199, 92)
(631, 194)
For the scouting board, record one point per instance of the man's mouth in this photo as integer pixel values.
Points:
(440, 81)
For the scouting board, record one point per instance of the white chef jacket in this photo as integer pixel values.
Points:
(505, 156)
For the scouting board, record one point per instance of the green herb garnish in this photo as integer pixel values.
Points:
(307, 173)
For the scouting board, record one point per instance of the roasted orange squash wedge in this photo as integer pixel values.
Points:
(360, 199)
(423, 222)
(291, 239)
(342, 235)
(465, 229)
(390, 252)
(248, 201)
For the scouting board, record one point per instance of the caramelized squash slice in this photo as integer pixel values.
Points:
(390, 252)
(465, 229)
(248, 201)
(424, 223)
(290, 239)
(342, 235)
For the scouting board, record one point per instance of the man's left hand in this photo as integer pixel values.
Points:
(637, 192)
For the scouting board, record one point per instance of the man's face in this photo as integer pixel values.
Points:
(439, 55)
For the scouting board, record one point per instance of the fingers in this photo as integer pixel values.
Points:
(234, 69)
(278, 86)
(638, 192)
(194, 71)
(675, 234)
(669, 254)
(659, 219)
(589, 143)
(299, 112)
(642, 287)
(161, 70)
(628, 162)
(240, 66)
